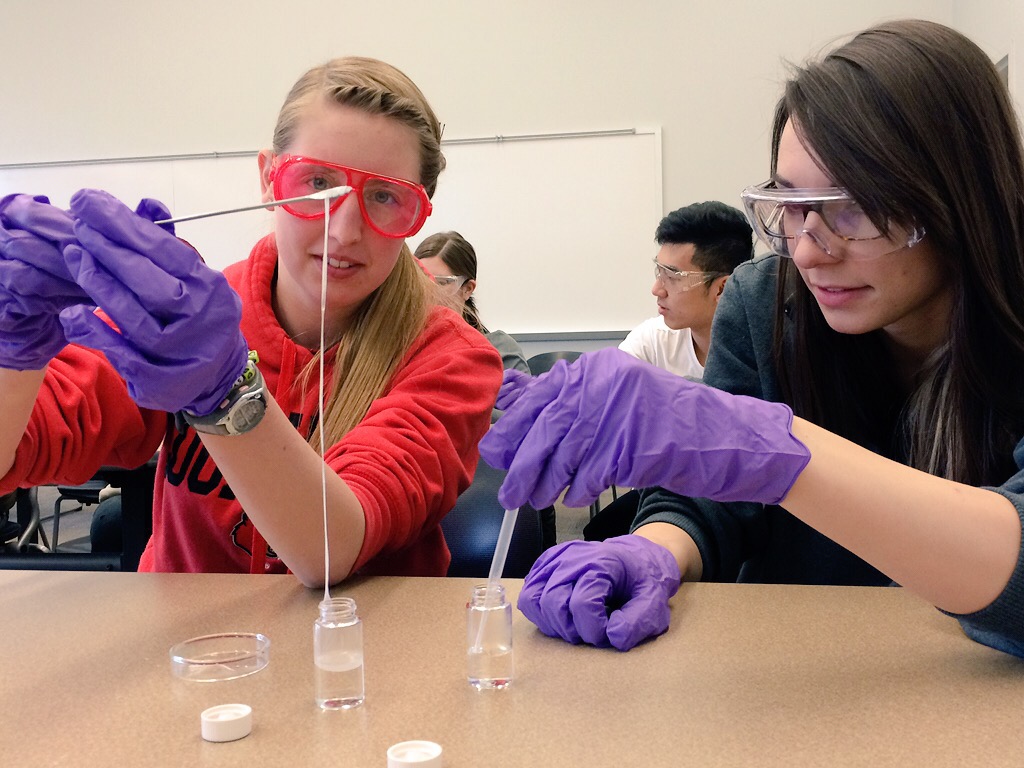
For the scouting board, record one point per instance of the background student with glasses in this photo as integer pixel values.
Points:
(409, 387)
(700, 245)
(451, 259)
(889, 320)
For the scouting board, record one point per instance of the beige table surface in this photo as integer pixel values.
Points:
(747, 676)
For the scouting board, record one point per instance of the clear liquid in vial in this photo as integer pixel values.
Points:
(490, 667)
(339, 680)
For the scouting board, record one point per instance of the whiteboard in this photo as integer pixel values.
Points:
(563, 226)
(185, 186)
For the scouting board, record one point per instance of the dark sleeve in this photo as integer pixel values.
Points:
(512, 356)
(1000, 625)
(725, 534)
(739, 361)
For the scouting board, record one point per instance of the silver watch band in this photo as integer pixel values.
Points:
(243, 407)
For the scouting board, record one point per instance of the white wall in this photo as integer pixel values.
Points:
(117, 78)
(998, 27)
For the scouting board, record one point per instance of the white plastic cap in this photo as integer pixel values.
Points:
(226, 722)
(421, 754)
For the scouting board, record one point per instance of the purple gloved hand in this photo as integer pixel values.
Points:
(610, 419)
(35, 284)
(179, 346)
(605, 593)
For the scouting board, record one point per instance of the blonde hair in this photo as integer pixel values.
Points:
(391, 318)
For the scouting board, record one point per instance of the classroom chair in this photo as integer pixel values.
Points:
(135, 522)
(85, 495)
(543, 362)
(25, 533)
(10, 531)
(471, 530)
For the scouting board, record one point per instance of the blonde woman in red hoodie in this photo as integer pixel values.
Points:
(409, 386)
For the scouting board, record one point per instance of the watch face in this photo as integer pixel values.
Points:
(247, 414)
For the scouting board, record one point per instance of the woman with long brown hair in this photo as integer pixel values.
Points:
(451, 260)
(865, 414)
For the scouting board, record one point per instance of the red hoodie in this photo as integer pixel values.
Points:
(406, 461)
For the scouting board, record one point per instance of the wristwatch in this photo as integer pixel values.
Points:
(242, 408)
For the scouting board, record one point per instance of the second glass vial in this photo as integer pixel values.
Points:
(338, 655)
(489, 661)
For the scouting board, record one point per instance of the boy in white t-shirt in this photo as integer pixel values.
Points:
(701, 245)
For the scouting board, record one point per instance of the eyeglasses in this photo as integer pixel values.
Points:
(779, 216)
(677, 281)
(392, 207)
(450, 281)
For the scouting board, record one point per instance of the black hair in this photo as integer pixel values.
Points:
(721, 236)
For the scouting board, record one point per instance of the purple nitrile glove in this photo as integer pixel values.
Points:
(179, 346)
(613, 592)
(154, 210)
(35, 284)
(610, 419)
(513, 384)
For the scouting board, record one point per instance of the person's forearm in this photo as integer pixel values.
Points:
(953, 544)
(276, 476)
(18, 393)
(679, 543)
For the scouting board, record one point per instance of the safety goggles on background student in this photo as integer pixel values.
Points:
(676, 280)
(391, 207)
(450, 281)
(780, 215)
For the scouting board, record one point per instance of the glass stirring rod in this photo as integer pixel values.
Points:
(327, 194)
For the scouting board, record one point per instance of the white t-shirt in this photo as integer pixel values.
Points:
(664, 347)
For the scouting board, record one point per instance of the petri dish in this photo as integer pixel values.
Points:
(224, 656)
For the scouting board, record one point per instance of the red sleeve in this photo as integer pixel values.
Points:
(83, 419)
(416, 450)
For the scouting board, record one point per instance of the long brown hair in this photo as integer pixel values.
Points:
(391, 318)
(459, 255)
(911, 118)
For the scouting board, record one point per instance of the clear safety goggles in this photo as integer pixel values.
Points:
(781, 215)
(391, 207)
(450, 281)
(676, 280)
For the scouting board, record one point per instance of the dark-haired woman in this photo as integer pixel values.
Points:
(888, 320)
(451, 259)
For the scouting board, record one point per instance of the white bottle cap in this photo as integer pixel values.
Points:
(226, 722)
(421, 754)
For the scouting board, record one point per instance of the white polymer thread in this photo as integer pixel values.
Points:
(327, 196)
(337, 633)
(320, 396)
(229, 722)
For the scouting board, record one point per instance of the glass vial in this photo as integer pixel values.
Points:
(489, 661)
(338, 655)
